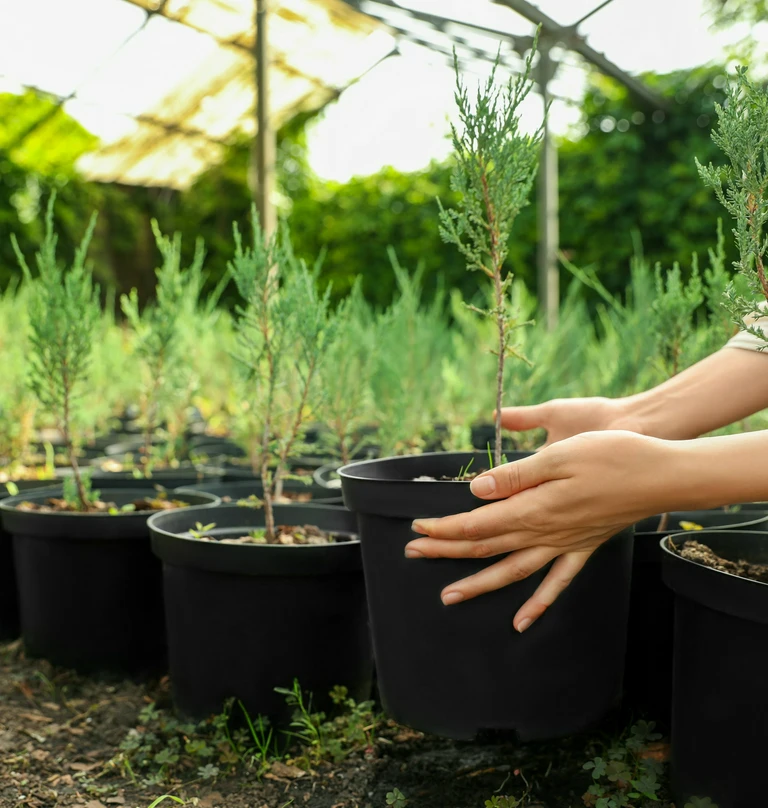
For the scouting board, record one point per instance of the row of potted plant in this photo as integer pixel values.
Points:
(260, 591)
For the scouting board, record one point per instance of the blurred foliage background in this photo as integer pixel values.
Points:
(624, 174)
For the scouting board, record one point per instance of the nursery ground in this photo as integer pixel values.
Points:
(60, 732)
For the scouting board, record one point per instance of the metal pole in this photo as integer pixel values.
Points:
(263, 155)
(548, 224)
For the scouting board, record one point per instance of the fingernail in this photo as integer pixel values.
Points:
(452, 597)
(523, 624)
(421, 526)
(481, 486)
(409, 553)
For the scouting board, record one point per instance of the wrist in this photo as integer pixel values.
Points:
(652, 413)
(712, 472)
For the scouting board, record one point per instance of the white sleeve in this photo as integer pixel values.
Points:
(750, 342)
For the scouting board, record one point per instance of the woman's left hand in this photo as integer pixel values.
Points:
(560, 503)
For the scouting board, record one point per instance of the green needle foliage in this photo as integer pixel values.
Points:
(740, 186)
(346, 377)
(282, 330)
(64, 315)
(494, 171)
(673, 313)
(406, 388)
(160, 329)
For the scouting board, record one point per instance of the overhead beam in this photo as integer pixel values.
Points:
(547, 219)
(265, 143)
(520, 44)
(573, 40)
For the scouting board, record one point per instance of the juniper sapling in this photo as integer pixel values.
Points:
(282, 329)
(495, 166)
(740, 186)
(64, 314)
(159, 330)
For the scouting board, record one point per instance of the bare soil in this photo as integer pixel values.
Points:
(60, 734)
(701, 554)
(58, 505)
(287, 535)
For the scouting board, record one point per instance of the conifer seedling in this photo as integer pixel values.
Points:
(282, 330)
(64, 313)
(346, 377)
(160, 346)
(495, 166)
(672, 314)
(740, 186)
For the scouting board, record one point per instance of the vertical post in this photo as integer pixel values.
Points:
(264, 147)
(548, 223)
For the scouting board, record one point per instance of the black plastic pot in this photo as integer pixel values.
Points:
(461, 669)
(244, 619)
(328, 477)
(242, 489)
(232, 471)
(90, 590)
(186, 474)
(215, 447)
(720, 707)
(9, 603)
(648, 671)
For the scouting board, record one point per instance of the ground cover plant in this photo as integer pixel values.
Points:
(73, 741)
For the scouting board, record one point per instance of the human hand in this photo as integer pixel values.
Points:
(559, 504)
(566, 417)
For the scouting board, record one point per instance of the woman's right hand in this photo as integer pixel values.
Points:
(565, 417)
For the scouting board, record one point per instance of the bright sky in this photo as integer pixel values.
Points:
(396, 115)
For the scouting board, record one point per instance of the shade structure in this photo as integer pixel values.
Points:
(179, 78)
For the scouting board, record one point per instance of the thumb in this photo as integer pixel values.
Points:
(512, 478)
(518, 419)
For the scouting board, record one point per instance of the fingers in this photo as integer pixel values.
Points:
(511, 478)
(493, 519)
(514, 567)
(518, 419)
(556, 581)
(458, 548)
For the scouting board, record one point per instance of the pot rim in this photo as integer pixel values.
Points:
(9, 503)
(676, 558)
(155, 525)
(348, 471)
